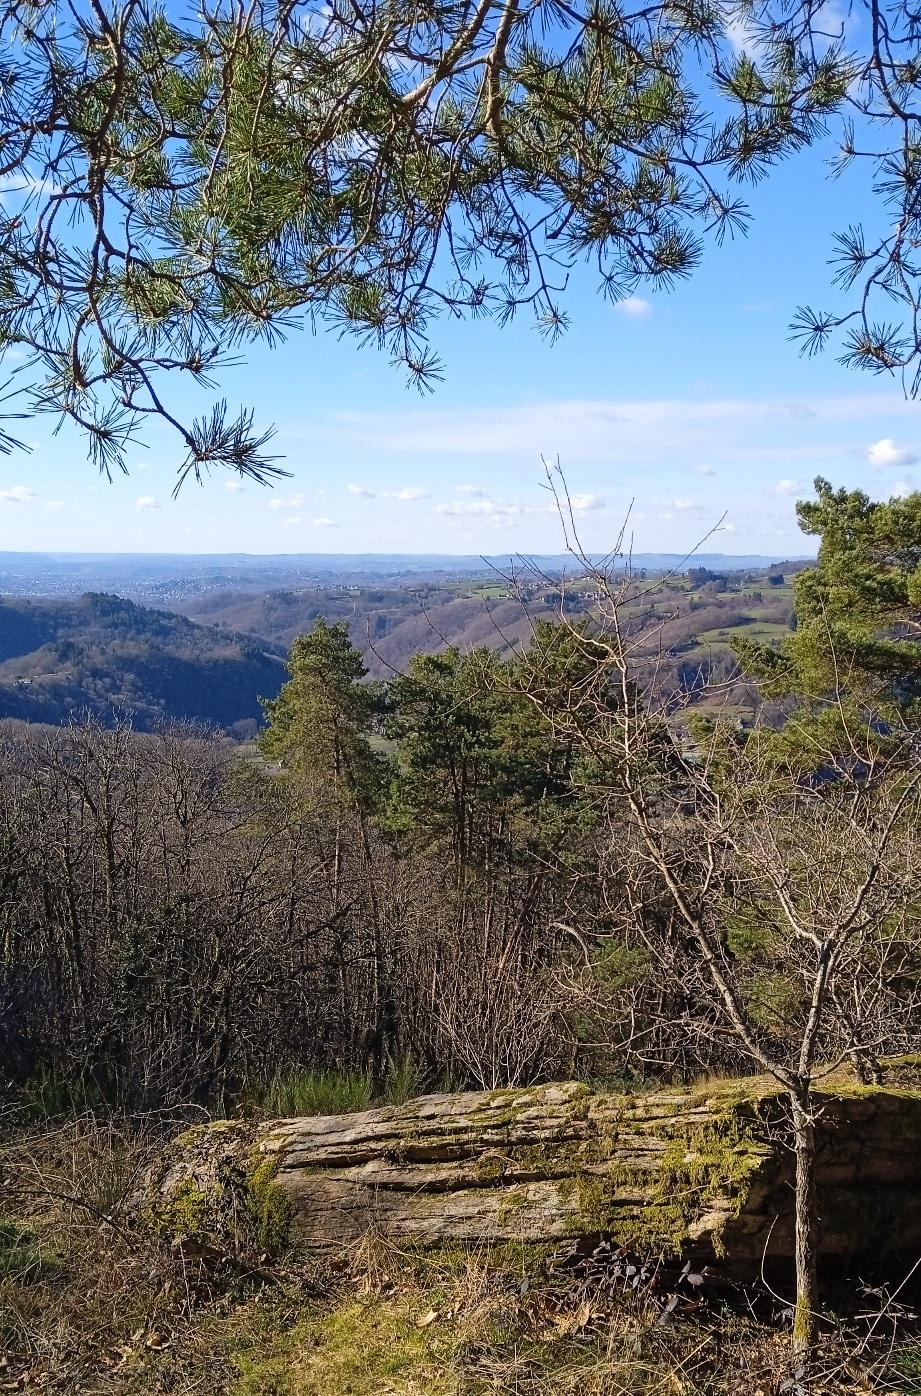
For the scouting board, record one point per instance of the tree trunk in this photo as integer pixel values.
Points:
(672, 1172)
(806, 1230)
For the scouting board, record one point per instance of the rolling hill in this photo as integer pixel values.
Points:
(102, 654)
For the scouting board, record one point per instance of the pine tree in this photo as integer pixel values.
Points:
(181, 185)
(319, 726)
(857, 642)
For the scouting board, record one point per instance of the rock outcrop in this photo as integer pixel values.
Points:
(705, 1173)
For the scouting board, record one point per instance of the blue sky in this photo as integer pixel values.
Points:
(685, 406)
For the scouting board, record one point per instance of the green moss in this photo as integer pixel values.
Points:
(489, 1167)
(269, 1208)
(243, 1210)
(853, 1090)
(656, 1226)
(804, 1324)
(363, 1346)
(185, 1213)
(513, 1200)
(500, 1109)
(700, 1166)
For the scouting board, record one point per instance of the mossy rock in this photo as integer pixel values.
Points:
(211, 1186)
(704, 1171)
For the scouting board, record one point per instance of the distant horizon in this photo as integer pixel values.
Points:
(396, 553)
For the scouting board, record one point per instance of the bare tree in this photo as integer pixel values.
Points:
(775, 889)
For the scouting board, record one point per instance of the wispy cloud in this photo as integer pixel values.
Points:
(147, 501)
(407, 495)
(291, 501)
(233, 486)
(489, 509)
(786, 488)
(723, 432)
(505, 512)
(17, 494)
(310, 520)
(634, 306)
(705, 470)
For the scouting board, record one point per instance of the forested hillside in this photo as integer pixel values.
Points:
(489, 871)
(695, 612)
(102, 654)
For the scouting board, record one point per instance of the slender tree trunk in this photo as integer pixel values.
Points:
(381, 994)
(805, 1316)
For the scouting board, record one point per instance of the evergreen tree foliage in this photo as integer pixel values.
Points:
(179, 185)
(858, 610)
(320, 724)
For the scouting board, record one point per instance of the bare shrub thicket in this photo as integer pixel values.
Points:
(177, 926)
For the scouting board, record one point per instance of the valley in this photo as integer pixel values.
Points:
(211, 653)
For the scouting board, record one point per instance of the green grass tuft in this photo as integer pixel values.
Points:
(403, 1081)
(295, 1091)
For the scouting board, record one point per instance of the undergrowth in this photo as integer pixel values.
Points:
(296, 1091)
(92, 1305)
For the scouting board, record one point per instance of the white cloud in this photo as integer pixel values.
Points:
(727, 528)
(292, 522)
(705, 469)
(684, 506)
(723, 432)
(406, 496)
(233, 486)
(634, 306)
(489, 509)
(582, 503)
(17, 494)
(26, 184)
(293, 501)
(786, 488)
(740, 37)
(147, 501)
(324, 523)
(456, 509)
(902, 489)
(473, 490)
(885, 453)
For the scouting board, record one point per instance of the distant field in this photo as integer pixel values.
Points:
(758, 630)
(492, 593)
